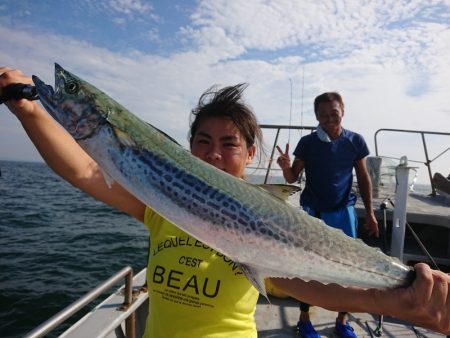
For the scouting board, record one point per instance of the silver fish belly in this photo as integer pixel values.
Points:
(265, 235)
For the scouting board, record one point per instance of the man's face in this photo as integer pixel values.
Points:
(329, 115)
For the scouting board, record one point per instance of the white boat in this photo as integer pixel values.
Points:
(123, 313)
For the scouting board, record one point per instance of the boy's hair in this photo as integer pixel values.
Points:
(328, 97)
(227, 102)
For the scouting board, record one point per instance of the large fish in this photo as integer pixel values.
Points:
(258, 230)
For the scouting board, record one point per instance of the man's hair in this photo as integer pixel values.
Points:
(227, 102)
(328, 97)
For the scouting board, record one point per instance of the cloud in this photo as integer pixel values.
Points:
(390, 64)
(130, 6)
(317, 29)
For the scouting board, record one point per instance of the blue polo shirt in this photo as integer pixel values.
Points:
(329, 169)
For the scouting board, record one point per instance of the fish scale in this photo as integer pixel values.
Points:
(262, 233)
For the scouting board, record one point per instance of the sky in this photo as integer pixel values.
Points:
(389, 59)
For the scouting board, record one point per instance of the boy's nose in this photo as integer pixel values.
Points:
(213, 154)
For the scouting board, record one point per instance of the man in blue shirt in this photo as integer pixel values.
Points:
(328, 156)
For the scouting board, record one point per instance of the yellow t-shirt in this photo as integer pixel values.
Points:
(194, 290)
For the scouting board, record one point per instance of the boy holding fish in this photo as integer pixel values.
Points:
(194, 290)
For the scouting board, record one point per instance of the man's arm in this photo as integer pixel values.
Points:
(365, 190)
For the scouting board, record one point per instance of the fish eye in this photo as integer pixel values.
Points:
(71, 87)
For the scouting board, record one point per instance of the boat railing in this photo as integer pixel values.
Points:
(266, 166)
(278, 128)
(76, 306)
(427, 161)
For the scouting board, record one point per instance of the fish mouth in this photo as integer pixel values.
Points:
(50, 97)
(47, 96)
(44, 90)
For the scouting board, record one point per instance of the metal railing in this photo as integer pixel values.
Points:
(423, 133)
(76, 306)
(427, 161)
(278, 128)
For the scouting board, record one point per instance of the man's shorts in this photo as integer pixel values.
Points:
(344, 218)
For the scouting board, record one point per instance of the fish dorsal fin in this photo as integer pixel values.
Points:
(283, 191)
(166, 135)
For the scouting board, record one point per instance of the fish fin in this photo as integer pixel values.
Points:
(108, 179)
(166, 135)
(283, 191)
(124, 138)
(255, 278)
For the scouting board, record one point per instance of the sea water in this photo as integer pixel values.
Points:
(56, 244)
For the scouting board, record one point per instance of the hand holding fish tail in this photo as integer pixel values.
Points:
(425, 303)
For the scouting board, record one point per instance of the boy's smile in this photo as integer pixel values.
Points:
(219, 142)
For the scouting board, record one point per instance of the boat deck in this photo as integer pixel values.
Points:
(423, 209)
(429, 217)
(275, 319)
(279, 319)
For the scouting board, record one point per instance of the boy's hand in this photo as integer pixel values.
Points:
(8, 77)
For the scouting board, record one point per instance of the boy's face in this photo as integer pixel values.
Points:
(329, 115)
(219, 142)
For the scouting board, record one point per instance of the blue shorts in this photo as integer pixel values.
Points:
(344, 218)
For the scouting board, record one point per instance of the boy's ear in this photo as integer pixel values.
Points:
(251, 153)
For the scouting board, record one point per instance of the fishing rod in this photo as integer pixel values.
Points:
(419, 242)
(290, 114)
(302, 96)
(19, 91)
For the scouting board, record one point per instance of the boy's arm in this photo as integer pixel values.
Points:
(425, 303)
(63, 154)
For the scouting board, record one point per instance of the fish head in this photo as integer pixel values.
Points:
(73, 103)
